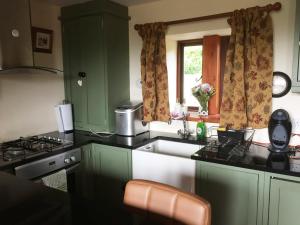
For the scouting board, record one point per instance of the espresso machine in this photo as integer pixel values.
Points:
(280, 128)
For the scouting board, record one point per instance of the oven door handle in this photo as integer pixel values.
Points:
(71, 169)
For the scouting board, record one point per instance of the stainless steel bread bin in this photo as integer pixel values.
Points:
(129, 119)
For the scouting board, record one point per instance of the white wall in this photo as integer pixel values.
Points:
(27, 98)
(166, 10)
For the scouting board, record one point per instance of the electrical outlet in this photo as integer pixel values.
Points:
(295, 167)
(296, 125)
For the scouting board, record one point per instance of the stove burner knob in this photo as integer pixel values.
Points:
(58, 140)
(73, 158)
(67, 161)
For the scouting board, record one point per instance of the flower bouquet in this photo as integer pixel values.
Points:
(203, 92)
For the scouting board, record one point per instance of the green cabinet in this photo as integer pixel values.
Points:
(235, 194)
(284, 200)
(114, 170)
(104, 171)
(296, 60)
(95, 48)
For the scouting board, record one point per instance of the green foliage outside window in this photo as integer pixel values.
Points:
(193, 60)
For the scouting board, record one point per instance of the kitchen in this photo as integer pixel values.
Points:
(28, 97)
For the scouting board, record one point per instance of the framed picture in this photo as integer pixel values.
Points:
(42, 40)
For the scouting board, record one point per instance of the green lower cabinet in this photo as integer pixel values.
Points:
(284, 202)
(104, 171)
(235, 194)
(114, 167)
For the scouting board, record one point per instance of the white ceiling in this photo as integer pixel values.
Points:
(122, 2)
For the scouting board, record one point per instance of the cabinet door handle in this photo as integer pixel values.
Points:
(82, 74)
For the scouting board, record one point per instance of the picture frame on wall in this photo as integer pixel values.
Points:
(42, 40)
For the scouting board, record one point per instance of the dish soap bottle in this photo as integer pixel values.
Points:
(201, 130)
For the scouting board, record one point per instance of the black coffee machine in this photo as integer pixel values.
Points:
(280, 128)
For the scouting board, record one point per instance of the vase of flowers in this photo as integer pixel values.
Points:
(203, 92)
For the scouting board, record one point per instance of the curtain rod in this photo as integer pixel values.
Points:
(270, 7)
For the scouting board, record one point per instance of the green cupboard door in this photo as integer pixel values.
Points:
(86, 173)
(93, 64)
(233, 194)
(284, 202)
(72, 64)
(116, 50)
(115, 172)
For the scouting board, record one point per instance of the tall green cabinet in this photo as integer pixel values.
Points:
(96, 62)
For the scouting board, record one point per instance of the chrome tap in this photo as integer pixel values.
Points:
(185, 132)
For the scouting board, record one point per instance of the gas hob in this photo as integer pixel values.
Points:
(23, 148)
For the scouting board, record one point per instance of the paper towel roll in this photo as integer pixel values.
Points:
(64, 117)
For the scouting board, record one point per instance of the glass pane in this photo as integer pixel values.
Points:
(192, 72)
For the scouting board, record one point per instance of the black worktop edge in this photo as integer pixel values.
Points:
(94, 140)
(247, 166)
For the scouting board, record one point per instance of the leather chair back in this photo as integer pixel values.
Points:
(167, 204)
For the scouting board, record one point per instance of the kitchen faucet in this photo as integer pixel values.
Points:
(185, 132)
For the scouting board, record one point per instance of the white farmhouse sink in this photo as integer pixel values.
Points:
(167, 162)
(171, 148)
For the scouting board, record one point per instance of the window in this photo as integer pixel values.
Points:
(190, 66)
(201, 60)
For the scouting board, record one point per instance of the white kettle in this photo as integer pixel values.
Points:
(64, 117)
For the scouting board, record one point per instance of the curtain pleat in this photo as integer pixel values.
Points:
(247, 84)
(154, 73)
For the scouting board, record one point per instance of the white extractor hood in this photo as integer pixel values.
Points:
(15, 37)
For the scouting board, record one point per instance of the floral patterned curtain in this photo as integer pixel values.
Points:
(154, 73)
(247, 85)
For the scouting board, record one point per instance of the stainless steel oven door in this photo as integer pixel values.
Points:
(57, 171)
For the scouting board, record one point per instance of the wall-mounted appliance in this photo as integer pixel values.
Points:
(15, 37)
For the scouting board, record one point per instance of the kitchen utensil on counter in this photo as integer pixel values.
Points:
(279, 128)
(64, 117)
(129, 119)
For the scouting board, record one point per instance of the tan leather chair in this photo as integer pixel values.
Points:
(167, 204)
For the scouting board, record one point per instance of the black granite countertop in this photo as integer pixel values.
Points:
(23, 202)
(255, 158)
(26, 203)
(81, 138)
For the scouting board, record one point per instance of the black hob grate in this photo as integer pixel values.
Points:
(25, 147)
